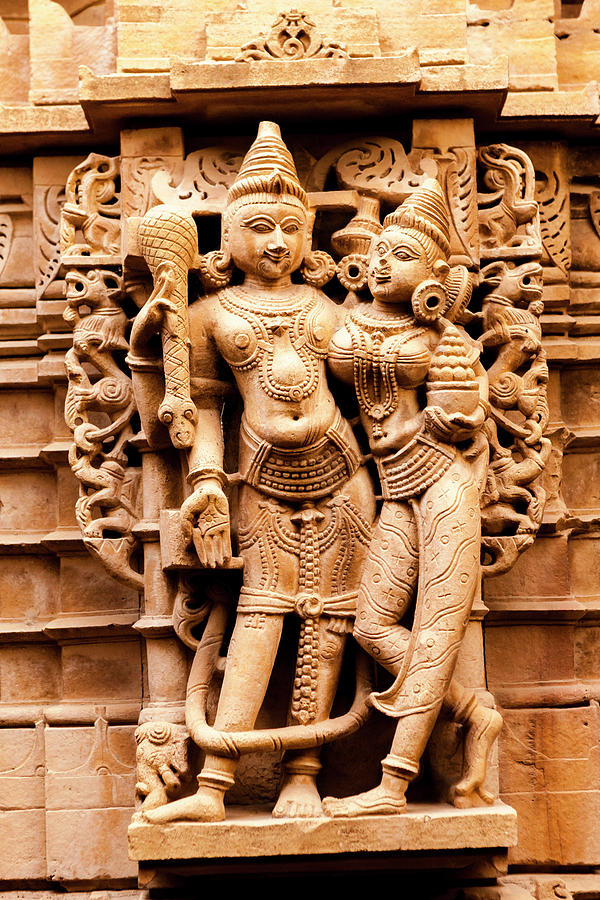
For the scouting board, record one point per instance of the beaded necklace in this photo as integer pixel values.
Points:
(286, 318)
(375, 376)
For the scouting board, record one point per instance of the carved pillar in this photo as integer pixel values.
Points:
(166, 660)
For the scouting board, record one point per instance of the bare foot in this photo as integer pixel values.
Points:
(298, 798)
(481, 731)
(204, 806)
(377, 802)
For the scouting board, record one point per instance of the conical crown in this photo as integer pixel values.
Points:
(426, 210)
(268, 167)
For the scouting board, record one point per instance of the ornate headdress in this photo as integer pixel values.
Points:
(425, 214)
(267, 172)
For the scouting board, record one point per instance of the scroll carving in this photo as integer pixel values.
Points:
(444, 361)
(90, 218)
(6, 232)
(377, 167)
(552, 194)
(138, 195)
(207, 176)
(457, 175)
(48, 237)
(293, 35)
(594, 208)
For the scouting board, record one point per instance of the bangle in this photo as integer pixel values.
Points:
(202, 472)
(143, 363)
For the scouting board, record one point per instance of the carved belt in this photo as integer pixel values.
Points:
(304, 604)
(412, 470)
(304, 473)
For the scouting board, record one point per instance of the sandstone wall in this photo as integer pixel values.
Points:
(73, 75)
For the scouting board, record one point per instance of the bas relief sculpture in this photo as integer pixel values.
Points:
(369, 527)
(305, 502)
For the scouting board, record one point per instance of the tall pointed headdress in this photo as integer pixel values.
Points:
(425, 211)
(267, 169)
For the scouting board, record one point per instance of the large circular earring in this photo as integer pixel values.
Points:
(317, 268)
(429, 300)
(352, 271)
(215, 269)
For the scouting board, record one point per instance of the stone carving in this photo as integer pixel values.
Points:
(353, 241)
(429, 524)
(48, 237)
(293, 36)
(456, 173)
(594, 208)
(98, 410)
(138, 175)
(169, 243)
(162, 762)
(305, 502)
(207, 176)
(518, 376)
(91, 209)
(101, 759)
(552, 194)
(377, 167)
(508, 213)
(459, 448)
(461, 191)
(6, 231)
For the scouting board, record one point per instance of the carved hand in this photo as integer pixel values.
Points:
(150, 319)
(205, 519)
(453, 427)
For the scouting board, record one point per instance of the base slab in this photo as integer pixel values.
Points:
(254, 833)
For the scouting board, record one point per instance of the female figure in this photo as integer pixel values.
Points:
(305, 503)
(423, 396)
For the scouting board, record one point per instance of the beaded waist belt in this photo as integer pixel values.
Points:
(412, 470)
(299, 473)
(305, 604)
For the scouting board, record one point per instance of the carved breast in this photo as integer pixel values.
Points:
(285, 341)
(318, 329)
(238, 342)
(411, 359)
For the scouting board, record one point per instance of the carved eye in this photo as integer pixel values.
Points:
(167, 418)
(402, 254)
(189, 414)
(382, 249)
(292, 228)
(261, 227)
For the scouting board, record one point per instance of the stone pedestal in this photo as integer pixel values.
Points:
(426, 836)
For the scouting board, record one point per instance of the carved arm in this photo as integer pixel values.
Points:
(205, 513)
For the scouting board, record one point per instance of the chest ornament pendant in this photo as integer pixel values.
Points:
(283, 328)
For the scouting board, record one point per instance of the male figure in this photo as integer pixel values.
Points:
(305, 504)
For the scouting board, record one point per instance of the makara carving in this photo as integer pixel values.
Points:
(362, 454)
